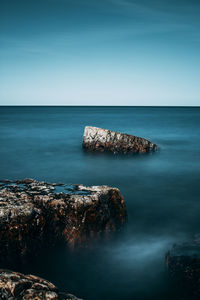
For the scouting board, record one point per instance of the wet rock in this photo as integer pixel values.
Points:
(35, 213)
(14, 285)
(98, 139)
(183, 264)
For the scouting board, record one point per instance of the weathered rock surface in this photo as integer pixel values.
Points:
(16, 286)
(183, 263)
(32, 213)
(98, 139)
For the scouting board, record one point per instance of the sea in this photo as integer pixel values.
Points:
(161, 192)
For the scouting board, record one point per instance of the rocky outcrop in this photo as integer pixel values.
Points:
(33, 213)
(98, 139)
(183, 264)
(16, 286)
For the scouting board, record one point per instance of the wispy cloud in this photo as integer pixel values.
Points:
(185, 12)
(67, 42)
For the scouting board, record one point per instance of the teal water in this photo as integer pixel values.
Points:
(161, 191)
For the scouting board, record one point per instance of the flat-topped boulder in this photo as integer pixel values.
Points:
(98, 139)
(183, 264)
(33, 213)
(16, 286)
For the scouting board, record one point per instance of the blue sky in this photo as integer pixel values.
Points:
(105, 52)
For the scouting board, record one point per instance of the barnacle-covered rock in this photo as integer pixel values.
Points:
(16, 286)
(33, 213)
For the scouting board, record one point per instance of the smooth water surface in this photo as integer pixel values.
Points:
(161, 191)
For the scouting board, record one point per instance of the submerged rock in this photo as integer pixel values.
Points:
(183, 264)
(98, 139)
(33, 213)
(16, 286)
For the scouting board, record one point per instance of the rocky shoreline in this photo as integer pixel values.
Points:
(33, 213)
(16, 286)
(37, 214)
(103, 140)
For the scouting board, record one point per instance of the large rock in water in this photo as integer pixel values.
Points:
(183, 264)
(16, 286)
(32, 213)
(98, 139)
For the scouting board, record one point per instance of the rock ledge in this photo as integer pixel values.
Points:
(16, 286)
(33, 213)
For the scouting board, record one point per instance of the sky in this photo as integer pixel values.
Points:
(100, 52)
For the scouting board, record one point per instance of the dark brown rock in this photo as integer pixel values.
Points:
(16, 286)
(183, 264)
(98, 139)
(33, 213)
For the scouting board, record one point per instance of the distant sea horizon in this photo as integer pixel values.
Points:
(167, 106)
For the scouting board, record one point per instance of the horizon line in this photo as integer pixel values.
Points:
(52, 105)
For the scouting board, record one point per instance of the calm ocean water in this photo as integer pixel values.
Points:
(161, 191)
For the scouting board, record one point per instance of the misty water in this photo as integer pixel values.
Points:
(161, 191)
